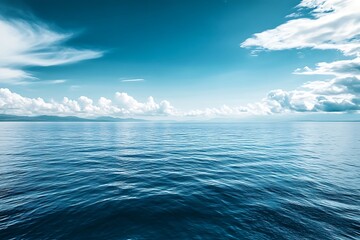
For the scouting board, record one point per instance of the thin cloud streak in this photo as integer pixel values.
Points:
(133, 80)
(57, 81)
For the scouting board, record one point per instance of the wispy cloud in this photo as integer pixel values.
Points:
(15, 76)
(57, 81)
(342, 68)
(294, 15)
(74, 87)
(133, 80)
(26, 43)
(333, 24)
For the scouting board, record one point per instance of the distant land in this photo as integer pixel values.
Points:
(297, 118)
(45, 118)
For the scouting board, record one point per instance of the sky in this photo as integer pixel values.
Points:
(172, 59)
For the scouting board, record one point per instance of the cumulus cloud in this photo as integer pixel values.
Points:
(150, 106)
(336, 95)
(24, 43)
(122, 105)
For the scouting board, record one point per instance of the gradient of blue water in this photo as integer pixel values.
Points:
(179, 181)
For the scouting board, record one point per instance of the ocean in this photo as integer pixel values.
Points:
(291, 180)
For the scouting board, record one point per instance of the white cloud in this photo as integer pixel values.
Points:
(294, 15)
(122, 105)
(15, 76)
(336, 95)
(342, 68)
(334, 24)
(133, 80)
(25, 43)
(150, 107)
(222, 111)
(57, 81)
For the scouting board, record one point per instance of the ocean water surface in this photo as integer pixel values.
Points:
(180, 180)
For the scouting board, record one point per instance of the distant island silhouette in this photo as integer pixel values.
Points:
(46, 118)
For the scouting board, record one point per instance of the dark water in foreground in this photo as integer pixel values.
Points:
(179, 181)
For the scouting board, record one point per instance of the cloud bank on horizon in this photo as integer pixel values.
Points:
(316, 24)
(122, 105)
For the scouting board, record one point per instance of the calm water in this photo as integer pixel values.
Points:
(179, 181)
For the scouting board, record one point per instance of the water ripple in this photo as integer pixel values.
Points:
(179, 181)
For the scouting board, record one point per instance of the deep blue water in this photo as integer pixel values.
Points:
(179, 181)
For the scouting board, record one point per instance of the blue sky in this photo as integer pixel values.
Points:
(199, 58)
